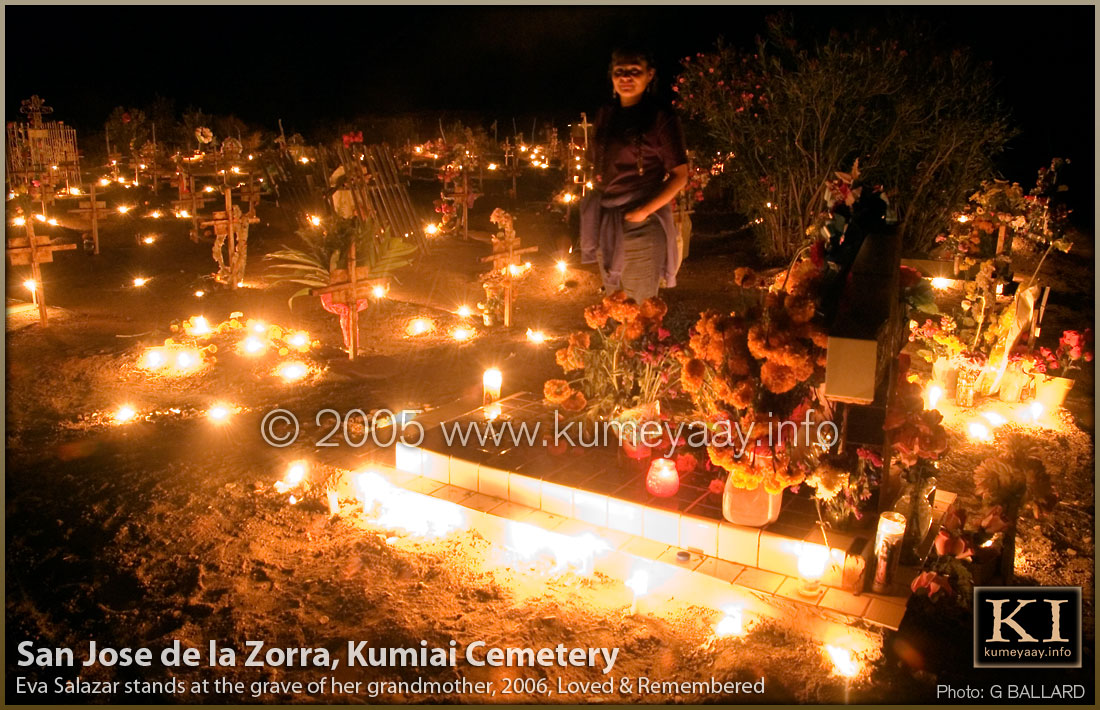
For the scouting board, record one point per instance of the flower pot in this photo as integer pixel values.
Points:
(945, 373)
(1051, 391)
(755, 508)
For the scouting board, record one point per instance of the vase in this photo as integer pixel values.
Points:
(1013, 385)
(945, 373)
(754, 509)
(966, 386)
(1051, 391)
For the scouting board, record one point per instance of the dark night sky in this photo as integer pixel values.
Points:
(304, 63)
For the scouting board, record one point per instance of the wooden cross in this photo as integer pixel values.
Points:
(355, 287)
(193, 202)
(505, 257)
(231, 225)
(35, 250)
(93, 208)
(34, 107)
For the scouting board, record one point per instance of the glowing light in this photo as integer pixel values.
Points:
(731, 624)
(566, 552)
(293, 500)
(183, 214)
(299, 340)
(104, 182)
(253, 345)
(198, 326)
(464, 312)
(940, 283)
(396, 508)
(240, 284)
(333, 503)
(149, 240)
(30, 284)
(536, 336)
(962, 219)
(19, 221)
(979, 431)
(186, 360)
(514, 269)
(235, 169)
(568, 197)
(662, 480)
(492, 412)
(588, 184)
(419, 326)
(639, 584)
(124, 414)
(293, 371)
(1035, 409)
(523, 149)
(140, 281)
(74, 190)
(379, 291)
(994, 418)
(315, 220)
(491, 382)
(462, 334)
(812, 560)
(154, 359)
(431, 230)
(259, 327)
(418, 149)
(295, 474)
(123, 209)
(932, 396)
(208, 188)
(843, 662)
(40, 217)
(219, 413)
(303, 160)
(562, 267)
(200, 293)
(1000, 289)
(155, 214)
(52, 222)
(492, 166)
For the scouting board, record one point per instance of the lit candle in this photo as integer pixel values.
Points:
(491, 382)
(662, 481)
(812, 560)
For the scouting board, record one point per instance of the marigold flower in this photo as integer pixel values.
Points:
(595, 316)
(691, 375)
(745, 277)
(557, 391)
(580, 340)
(653, 309)
(827, 481)
(575, 403)
(799, 308)
(778, 378)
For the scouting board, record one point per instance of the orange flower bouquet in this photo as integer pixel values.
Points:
(624, 363)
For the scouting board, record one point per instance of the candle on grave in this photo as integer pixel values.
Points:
(662, 480)
(491, 382)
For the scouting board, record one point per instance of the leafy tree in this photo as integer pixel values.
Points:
(789, 114)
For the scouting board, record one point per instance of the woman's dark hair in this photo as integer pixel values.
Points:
(631, 55)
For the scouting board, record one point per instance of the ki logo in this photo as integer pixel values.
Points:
(1027, 627)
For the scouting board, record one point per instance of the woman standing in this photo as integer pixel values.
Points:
(640, 163)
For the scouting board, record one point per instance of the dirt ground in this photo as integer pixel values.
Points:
(169, 527)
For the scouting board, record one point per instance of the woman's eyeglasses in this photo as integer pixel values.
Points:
(624, 73)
